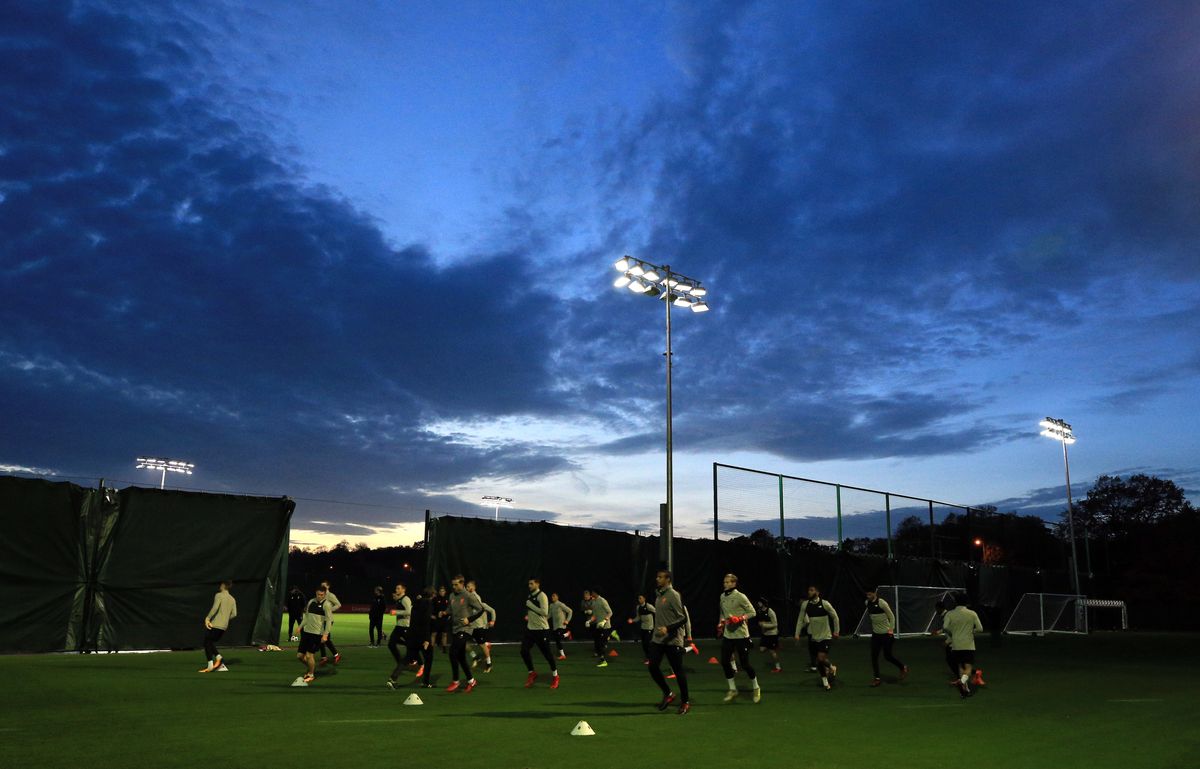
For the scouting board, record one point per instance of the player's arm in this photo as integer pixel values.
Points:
(336, 604)
(748, 608)
(801, 623)
(887, 612)
(835, 624)
(568, 613)
(978, 624)
(327, 624)
(475, 606)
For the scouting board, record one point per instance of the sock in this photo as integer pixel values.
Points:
(824, 681)
(487, 660)
(555, 674)
(963, 679)
(754, 683)
(732, 685)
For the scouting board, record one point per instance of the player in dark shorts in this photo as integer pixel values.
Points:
(537, 633)
(560, 618)
(883, 635)
(818, 618)
(768, 625)
(295, 607)
(314, 631)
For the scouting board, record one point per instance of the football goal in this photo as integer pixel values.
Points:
(915, 607)
(1041, 613)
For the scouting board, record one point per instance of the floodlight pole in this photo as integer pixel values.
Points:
(1071, 519)
(162, 484)
(668, 533)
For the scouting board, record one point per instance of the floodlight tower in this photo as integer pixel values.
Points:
(497, 502)
(673, 288)
(165, 466)
(1061, 432)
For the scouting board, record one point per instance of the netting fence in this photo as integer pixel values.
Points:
(829, 513)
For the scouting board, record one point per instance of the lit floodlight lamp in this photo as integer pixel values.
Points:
(164, 466)
(496, 502)
(622, 281)
(699, 291)
(651, 275)
(623, 264)
(682, 301)
(636, 271)
(638, 287)
(699, 307)
(682, 288)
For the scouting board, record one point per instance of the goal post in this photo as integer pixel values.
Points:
(915, 607)
(1042, 613)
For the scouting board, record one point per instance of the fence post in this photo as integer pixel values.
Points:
(781, 535)
(839, 516)
(716, 528)
(887, 506)
(932, 534)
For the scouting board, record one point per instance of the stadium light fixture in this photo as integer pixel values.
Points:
(674, 290)
(497, 502)
(164, 465)
(1060, 431)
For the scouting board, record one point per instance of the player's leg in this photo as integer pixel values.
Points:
(889, 643)
(395, 641)
(526, 645)
(876, 648)
(646, 635)
(210, 652)
(543, 643)
(743, 653)
(657, 651)
(727, 651)
(675, 659)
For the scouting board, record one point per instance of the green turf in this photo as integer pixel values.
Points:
(1103, 701)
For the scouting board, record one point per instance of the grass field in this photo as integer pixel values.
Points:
(1123, 701)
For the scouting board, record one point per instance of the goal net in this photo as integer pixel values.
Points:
(915, 607)
(1040, 613)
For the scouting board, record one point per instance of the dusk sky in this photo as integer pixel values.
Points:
(363, 251)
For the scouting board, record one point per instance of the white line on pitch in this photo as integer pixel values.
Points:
(1138, 700)
(914, 707)
(376, 720)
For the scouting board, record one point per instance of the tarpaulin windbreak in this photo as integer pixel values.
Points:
(136, 568)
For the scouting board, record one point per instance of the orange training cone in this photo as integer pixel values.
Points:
(612, 652)
(713, 661)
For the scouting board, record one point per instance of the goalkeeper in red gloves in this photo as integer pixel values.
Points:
(734, 632)
(883, 635)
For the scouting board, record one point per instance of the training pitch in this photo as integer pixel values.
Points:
(1108, 700)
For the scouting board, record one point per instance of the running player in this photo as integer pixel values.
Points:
(768, 625)
(819, 619)
(883, 635)
(441, 618)
(560, 618)
(327, 644)
(734, 632)
(399, 638)
(479, 631)
(420, 637)
(216, 622)
(314, 630)
(600, 621)
(643, 615)
(960, 625)
(465, 609)
(375, 618)
(537, 632)
(667, 641)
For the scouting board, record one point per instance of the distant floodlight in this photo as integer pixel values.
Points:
(623, 264)
(1060, 431)
(164, 465)
(622, 281)
(497, 502)
(699, 307)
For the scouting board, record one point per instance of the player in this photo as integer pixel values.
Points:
(537, 632)
(883, 635)
(643, 615)
(399, 638)
(734, 632)
(599, 619)
(667, 641)
(768, 625)
(960, 625)
(937, 630)
(315, 625)
(819, 619)
(441, 618)
(464, 610)
(420, 639)
(295, 607)
(375, 618)
(216, 622)
(560, 618)
(327, 644)
(479, 631)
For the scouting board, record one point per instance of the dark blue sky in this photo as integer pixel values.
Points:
(366, 254)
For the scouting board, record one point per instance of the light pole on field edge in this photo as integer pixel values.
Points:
(673, 288)
(1061, 432)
